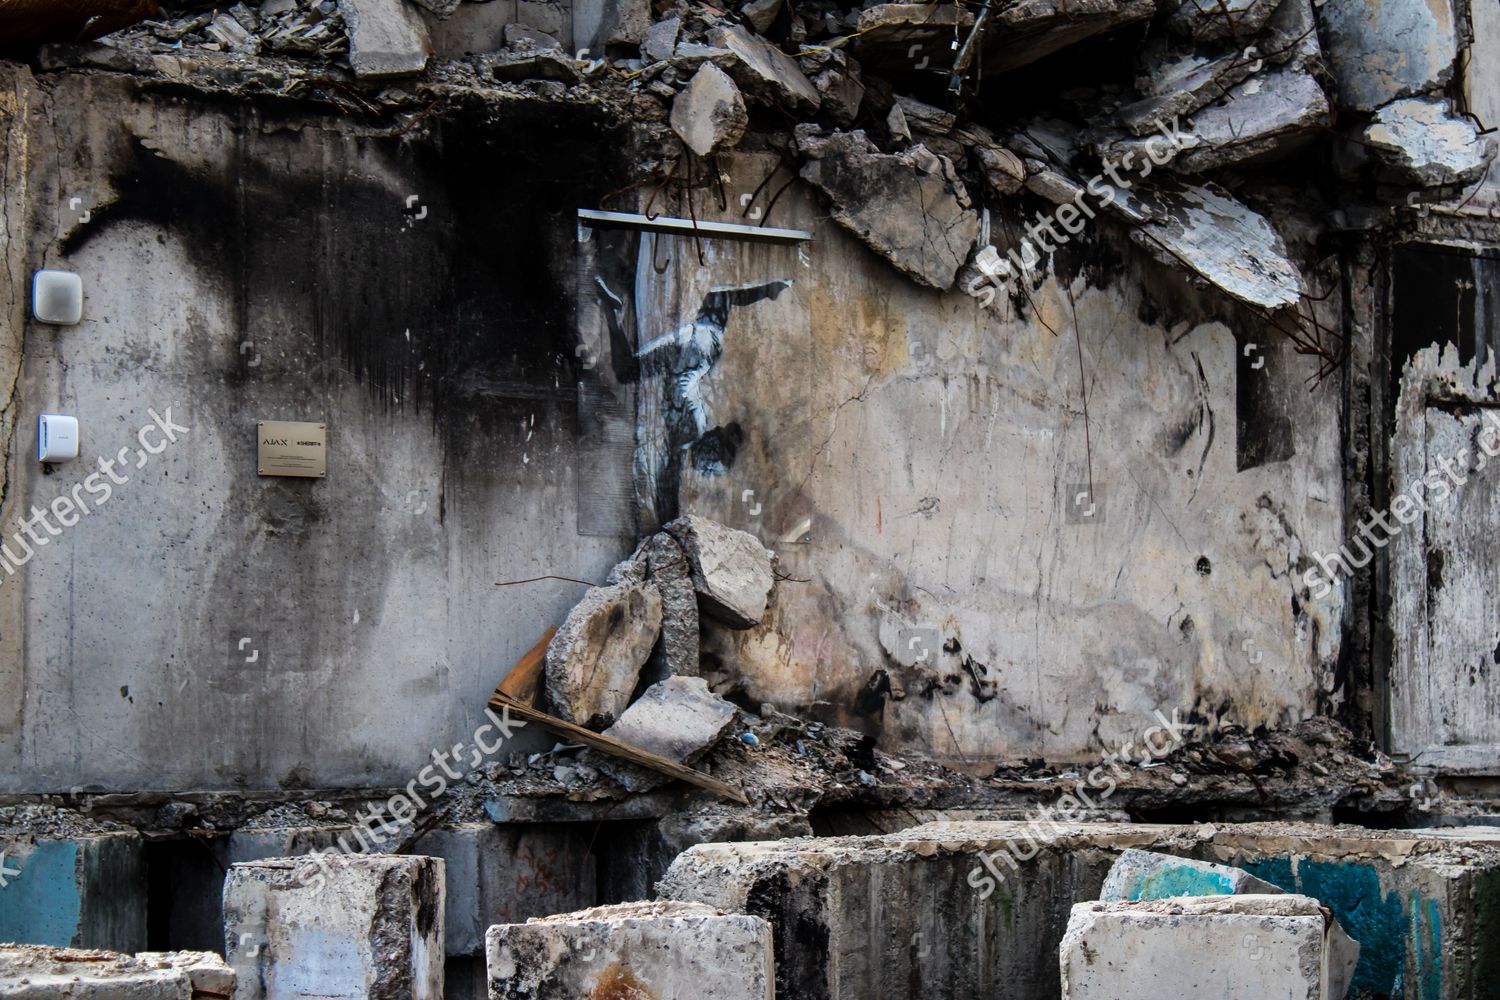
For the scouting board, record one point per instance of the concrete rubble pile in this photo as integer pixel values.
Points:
(1184, 149)
(641, 631)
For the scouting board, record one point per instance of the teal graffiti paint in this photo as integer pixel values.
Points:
(1180, 880)
(43, 904)
(1373, 917)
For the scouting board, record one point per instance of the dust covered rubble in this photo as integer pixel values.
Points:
(872, 108)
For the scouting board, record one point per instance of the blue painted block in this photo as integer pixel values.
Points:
(1138, 875)
(84, 892)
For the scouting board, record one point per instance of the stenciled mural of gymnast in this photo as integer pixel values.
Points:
(679, 360)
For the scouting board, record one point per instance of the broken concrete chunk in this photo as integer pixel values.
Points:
(1243, 946)
(762, 13)
(1380, 50)
(1219, 20)
(630, 950)
(1139, 875)
(710, 114)
(1206, 230)
(676, 651)
(678, 718)
(896, 122)
(1291, 36)
(731, 570)
(925, 117)
(1004, 173)
(521, 37)
(764, 70)
(1418, 142)
(42, 972)
(532, 64)
(661, 39)
(910, 207)
(442, 8)
(594, 660)
(1266, 115)
(345, 925)
(1178, 83)
(386, 37)
(843, 92)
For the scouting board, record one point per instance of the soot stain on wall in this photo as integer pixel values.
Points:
(459, 303)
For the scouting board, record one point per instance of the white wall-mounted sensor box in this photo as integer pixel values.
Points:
(57, 297)
(56, 438)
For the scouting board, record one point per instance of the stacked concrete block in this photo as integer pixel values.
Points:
(979, 908)
(37, 972)
(662, 949)
(1141, 875)
(360, 926)
(1190, 947)
(82, 891)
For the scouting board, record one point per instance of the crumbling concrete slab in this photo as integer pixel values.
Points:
(353, 925)
(595, 659)
(903, 36)
(1219, 20)
(40, 972)
(1381, 50)
(1176, 82)
(83, 891)
(600, 24)
(633, 950)
(731, 570)
(1190, 947)
(1206, 230)
(661, 39)
(386, 37)
(765, 71)
(1139, 875)
(678, 718)
(909, 207)
(1418, 142)
(1266, 115)
(709, 115)
(496, 874)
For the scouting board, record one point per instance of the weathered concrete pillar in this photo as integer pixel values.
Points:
(1189, 947)
(367, 927)
(36, 972)
(661, 949)
(85, 891)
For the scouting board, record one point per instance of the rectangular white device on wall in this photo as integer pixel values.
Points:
(56, 438)
(57, 297)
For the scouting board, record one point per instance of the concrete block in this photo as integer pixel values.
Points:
(86, 891)
(509, 874)
(362, 926)
(979, 908)
(1205, 946)
(731, 569)
(37, 972)
(1141, 875)
(600, 24)
(661, 949)
(595, 658)
(710, 114)
(677, 718)
(386, 37)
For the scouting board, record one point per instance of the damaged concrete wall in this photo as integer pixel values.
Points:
(916, 460)
(246, 262)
